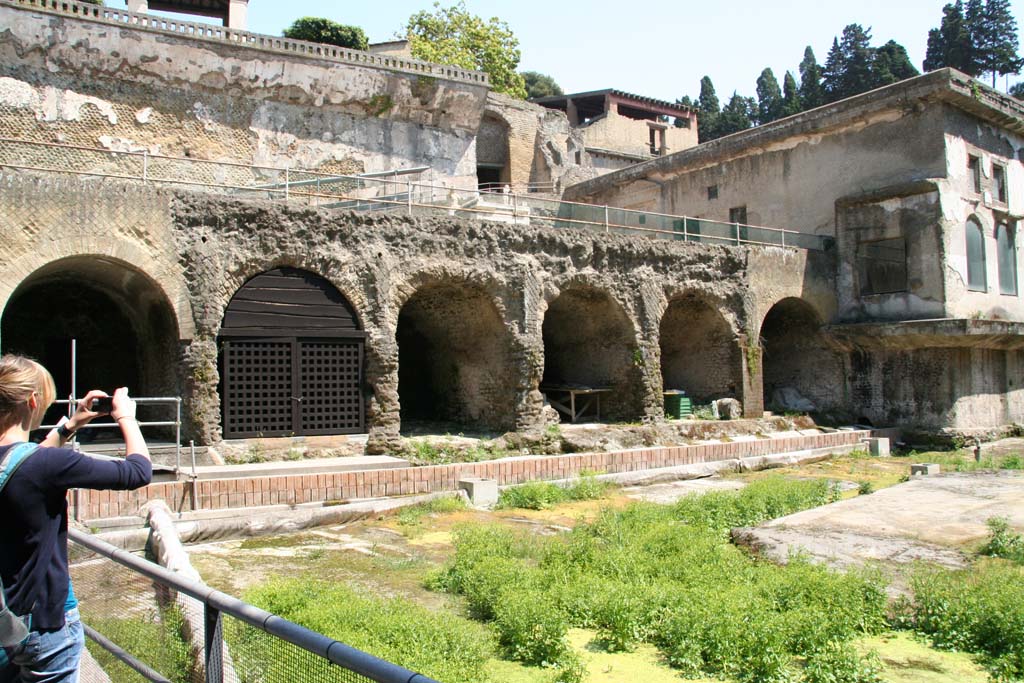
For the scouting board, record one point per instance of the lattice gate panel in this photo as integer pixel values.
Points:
(258, 378)
(330, 384)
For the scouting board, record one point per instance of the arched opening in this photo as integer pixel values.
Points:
(493, 168)
(1006, 246)
(453, 361)
(291, 358)
(590, 346)
(124, 330)
(699, 352)
(801, 371)
(977, 280)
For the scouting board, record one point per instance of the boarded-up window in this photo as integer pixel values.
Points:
(976, 279)
(1006, 249)
(882, 266)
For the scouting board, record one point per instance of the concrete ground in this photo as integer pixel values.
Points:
(934, 518)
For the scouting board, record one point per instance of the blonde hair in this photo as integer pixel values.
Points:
(20, 377)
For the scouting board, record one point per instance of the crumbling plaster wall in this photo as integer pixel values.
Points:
(542, 146)
(95, 84)
(966, 136)
(632, 136)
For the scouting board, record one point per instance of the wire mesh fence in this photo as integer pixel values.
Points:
(397, 192)
(146, 624)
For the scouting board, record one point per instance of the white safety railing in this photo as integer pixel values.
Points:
(392, 193)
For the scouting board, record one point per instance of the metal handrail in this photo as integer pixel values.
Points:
(152, 400)
(217, 603)
(520, 204)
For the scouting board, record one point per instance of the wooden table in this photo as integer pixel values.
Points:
(591, 398)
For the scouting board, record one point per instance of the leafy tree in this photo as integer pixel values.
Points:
(812, 93)
(848, 71)
(951, 44)
(738, 115)
(327, 32)
(832, 73)
(995, 39)
(708, 111)
(540, 85)
(892, 64)
(790, 96)
(1017, 90)
(769, 97)
(451, 35)
(684, 101)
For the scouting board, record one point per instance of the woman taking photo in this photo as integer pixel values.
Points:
(34, 515)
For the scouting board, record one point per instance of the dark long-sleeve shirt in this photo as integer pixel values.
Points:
(34, 524)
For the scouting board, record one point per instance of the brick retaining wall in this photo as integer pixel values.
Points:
(216, 494)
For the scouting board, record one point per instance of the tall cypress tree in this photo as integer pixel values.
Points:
(832, 74)
(708, 111)
(812, 94)
(769, 97)
(790, 96)
(951, 43)
(737, 115)
(891, 64)
(995, 40)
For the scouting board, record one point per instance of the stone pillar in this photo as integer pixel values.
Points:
(201, 401)
(751, 359)
(138, 6)
(238, 11)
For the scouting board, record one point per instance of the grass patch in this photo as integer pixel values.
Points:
(154, 639)
(963, 460)
(541, 495)
(413, 515)
(908, 659)
(1003, 542)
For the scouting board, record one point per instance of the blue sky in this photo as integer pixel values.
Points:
(656, 48)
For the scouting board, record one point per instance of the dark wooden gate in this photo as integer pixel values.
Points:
(291, 358)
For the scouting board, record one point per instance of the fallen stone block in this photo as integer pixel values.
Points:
(481, 492)
(924, 469)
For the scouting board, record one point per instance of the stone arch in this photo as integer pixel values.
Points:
(798, 360)
(455, 354)
(125, 328)
(700, 353)
(590, 341)
(291, 358)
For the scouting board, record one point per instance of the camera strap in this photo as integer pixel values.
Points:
(13, 629)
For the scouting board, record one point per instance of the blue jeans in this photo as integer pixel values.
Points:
(50, 657)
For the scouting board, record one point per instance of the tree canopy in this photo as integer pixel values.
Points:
(1018, 90)
(769, 97)
(978, 38)
(540, 85)
(451, 35)
(812, 93)
(327, 32)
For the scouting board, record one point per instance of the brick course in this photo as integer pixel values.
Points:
(214, 494)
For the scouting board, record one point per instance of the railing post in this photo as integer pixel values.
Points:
(287, 179)
(515, 207)
(145, 167)
(408, 195)
(606, 228)
(214, 637)
(686, 222)
(177, 437)
(783, 238)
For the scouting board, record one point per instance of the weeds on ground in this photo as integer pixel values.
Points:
(155, 639)
(412, 516)
(441, 646)
(1003, 542)
(666, 575)
(540, 495)
(964, 461)
(430, 453)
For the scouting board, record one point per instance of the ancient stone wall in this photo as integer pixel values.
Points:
(99, 84)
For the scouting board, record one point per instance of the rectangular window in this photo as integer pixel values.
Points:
(713, 192)
(974, 168)
(738, 214)
(999, 180)
(882, 266)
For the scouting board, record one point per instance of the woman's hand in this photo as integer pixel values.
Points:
(124, 407)
(83, 415)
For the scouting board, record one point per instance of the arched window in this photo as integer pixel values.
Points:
(1006, 249)
(975, 256)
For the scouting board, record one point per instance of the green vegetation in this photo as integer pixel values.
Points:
(451, 35)
(962, 460)
(667, 576)
(540, 495)
(980, 610)
(327, 32)
(155, 639)
(540, 85)
(413, 515)
(423, 452)
(1003, 542)
(441, 646)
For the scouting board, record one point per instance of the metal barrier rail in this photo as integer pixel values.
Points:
(356, 664)
(361, 193)
(172, 400)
